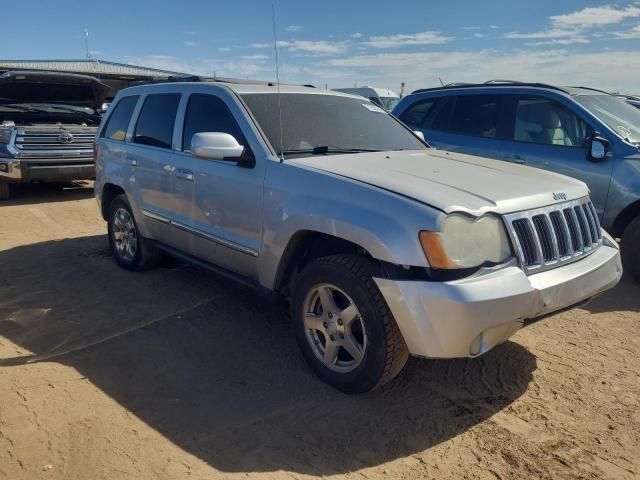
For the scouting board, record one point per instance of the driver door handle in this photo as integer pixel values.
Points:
(184, 175)
(514, 158)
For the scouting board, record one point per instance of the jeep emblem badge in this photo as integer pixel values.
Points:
(559, 196)
(65, 138)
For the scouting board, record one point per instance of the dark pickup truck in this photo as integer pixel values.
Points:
(48, 122)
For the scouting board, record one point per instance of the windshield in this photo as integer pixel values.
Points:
(615, 113)
(316, 124)
(390, 102)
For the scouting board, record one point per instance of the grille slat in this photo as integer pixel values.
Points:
(555, 235)
(544, 237)
(584, 228)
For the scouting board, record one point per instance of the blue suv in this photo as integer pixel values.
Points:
(581, 132)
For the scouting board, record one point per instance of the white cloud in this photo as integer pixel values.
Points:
(255, 57)
(224, 49)
(295, 28)
(555, 66)
(356, 35)
(595, 16)
(472, 28)
(320, 47)
(576, 25)
(478, 35)
(190, 44)
(628, 34)
(559, 41)
(552, 33)
(401, 40)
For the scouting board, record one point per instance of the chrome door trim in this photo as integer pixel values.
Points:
(155, 216)
(207, 236)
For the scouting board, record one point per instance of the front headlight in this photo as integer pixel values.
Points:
(466, 242)
(5, 135)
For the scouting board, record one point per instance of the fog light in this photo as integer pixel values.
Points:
(4, 167)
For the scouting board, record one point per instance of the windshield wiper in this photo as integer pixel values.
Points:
(325, 149)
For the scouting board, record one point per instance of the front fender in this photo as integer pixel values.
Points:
(384, 224)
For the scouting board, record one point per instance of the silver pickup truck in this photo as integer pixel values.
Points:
(382, 246)
(48, 123)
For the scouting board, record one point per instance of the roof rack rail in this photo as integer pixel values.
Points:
(491, 83)
(499, 81)
(592, 89)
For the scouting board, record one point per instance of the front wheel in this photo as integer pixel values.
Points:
(630, 248)
(343, 325)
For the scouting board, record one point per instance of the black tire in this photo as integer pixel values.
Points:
(385, 353)
(630, 249)
(146, 256)
(5, 191)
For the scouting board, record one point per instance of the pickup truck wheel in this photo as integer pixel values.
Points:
(343, 325)
(629, 248)
(4, 191)
(131, 250)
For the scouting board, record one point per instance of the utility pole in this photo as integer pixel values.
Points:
(86, 42)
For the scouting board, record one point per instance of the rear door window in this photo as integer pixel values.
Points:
(119, 119)
(544, 121)
(208, 113)
(476, 116)
(156, 120)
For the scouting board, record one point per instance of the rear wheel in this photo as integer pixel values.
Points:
(343, 325)
(5, 192)
(630, 248)
(131, 250)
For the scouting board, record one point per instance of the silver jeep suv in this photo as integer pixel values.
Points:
(383, 246)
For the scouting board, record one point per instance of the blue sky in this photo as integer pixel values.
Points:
(342, 43)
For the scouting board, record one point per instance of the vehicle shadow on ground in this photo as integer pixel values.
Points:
(214, 367)
(36, 193)
(624, 297)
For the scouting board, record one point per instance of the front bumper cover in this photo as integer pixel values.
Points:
(15, 170)
(465, 318)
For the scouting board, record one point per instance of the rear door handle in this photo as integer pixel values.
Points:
(184, 175)
(515, 158)
(131, 161)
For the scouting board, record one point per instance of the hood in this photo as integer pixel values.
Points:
(52, 87)
(453, 182)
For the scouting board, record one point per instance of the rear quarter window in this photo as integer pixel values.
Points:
(417, 114)
(118, 121)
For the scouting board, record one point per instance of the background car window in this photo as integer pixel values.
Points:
(156, 120)
(118, 122)
(207, 113)
(416, 115)
(441, 114)
(475, 115)
(543, 121)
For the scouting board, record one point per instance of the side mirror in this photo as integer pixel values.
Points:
(216, 146)
(598, 148)
(420, 135)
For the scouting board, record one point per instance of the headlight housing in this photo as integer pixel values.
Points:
(466, 242)
(5, 135)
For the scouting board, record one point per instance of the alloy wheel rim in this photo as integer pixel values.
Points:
(334, 328)
(125, 235)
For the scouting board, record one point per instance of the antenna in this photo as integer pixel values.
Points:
(275, 47)
(86, 42)
(441, 82)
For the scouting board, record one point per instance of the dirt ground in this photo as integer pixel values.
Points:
(179, 374)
